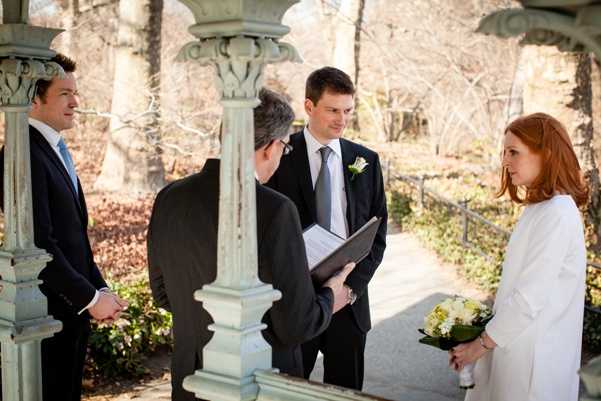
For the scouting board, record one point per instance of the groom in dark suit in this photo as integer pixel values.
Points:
(182, 256)
(327, 179)
(72, 282)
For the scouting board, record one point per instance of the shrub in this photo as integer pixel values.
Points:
(399, 206)
(119, 349)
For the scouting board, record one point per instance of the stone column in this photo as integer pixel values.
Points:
(239, 38)
(24, 320)
(591, 377)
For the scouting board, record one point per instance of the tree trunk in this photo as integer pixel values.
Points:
(71, 13)
(515, 105)
(560, 84)
(132, 163)
(343, 22)
(344, 40)
(582, 138)
(357, 59)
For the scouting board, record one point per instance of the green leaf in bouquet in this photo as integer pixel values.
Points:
(433, 341)
(461, 333)
(442, 343)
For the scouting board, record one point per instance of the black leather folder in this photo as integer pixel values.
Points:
(354, 249)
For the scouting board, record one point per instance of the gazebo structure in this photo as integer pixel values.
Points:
(238, 37)
(571, 26)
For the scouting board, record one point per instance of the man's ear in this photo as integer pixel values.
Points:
(309, 106)
(35, 102)
(263, 153)
(270, 150)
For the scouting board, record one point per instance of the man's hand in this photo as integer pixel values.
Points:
(122, 303)
(108, 307)
(336, 283)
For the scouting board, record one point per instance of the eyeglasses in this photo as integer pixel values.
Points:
(287, 148)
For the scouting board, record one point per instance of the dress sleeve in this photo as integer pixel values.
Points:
(547, 246)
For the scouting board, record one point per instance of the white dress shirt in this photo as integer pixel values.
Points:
(53, 138)
(338, 224)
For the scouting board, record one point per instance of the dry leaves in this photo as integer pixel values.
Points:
(117, 230)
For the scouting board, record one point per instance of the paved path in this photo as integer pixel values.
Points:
(410, 281)
(407, 285)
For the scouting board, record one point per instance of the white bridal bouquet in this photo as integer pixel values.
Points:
(454, 321)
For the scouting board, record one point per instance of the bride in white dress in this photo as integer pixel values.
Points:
(530, 350)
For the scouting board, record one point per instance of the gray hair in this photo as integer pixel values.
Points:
(273, 118)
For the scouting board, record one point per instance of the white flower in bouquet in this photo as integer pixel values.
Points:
(451, 312)
(466, 317)
(446, 326)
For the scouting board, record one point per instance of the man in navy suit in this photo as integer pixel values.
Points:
(317, 176)
(72, 282)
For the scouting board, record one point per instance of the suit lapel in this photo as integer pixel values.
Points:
(45, 146)
(300, 164)
(348, 157)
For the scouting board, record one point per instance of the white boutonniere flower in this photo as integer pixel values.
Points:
(357, 167)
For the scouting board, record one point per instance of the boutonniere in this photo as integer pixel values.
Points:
(357, 167)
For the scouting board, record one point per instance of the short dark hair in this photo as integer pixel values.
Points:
(328, 79)
(272, 118)
(68, 66)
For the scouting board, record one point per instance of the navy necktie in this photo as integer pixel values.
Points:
(62, 147)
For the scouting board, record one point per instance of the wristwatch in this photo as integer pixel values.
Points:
(351, 296)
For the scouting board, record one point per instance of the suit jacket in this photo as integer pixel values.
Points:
(182, 257)
(60, 219)
(365, 199)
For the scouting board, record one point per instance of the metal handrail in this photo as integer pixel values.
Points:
(420, 184)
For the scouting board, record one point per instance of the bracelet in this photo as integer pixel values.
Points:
(481, 339)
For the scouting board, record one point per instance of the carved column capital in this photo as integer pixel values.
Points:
(18, 78)
(578, 31)
(239, 61)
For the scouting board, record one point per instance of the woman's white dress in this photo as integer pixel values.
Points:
(538, 310)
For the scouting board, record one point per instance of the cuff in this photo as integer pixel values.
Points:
(93, 301)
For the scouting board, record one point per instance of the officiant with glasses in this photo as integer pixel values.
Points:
(182, 256)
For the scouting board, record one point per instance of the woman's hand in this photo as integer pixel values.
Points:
(464, 354)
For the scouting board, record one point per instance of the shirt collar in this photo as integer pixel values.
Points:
(51, 135)
(313, 144)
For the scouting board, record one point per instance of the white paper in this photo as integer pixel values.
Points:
(319, 243)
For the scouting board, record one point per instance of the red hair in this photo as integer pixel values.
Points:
(560, 172)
